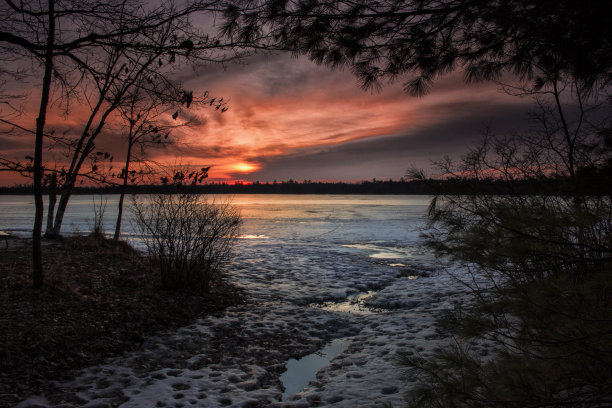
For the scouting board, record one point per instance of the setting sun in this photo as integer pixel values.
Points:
(244, 167)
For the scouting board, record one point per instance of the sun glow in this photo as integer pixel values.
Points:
(244, 167)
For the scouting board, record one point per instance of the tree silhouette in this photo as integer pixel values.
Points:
(145, 116)
(101, 45)
(537, 262)
(387, 39)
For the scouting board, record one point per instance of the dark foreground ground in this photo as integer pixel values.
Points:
(99, 300)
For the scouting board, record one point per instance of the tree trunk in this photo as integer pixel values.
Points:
(61, 207)
(71, 178)
(37, 273)
(123, 187)
(51, 206)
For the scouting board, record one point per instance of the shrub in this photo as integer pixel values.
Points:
(188, 238)
(99, 208)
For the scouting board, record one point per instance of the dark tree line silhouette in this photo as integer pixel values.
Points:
(589, 184)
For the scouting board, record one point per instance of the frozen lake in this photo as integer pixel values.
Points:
(319, 271)
(306, 248)
(293, 217)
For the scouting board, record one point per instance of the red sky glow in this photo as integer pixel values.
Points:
(291, 119)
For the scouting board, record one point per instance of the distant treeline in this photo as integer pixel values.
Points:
(452, 186)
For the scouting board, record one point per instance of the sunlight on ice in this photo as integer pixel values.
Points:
(253, 236)
(354, 304)
(380, 252)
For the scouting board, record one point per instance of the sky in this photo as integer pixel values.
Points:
(289, 118)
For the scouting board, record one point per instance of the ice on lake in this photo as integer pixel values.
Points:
(315, 268)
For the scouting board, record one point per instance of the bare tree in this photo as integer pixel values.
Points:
(143, 118)
(146, 118)
(119, 74)
(110, 43)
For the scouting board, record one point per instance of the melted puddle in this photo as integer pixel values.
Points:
(300, 372)
(353, 304)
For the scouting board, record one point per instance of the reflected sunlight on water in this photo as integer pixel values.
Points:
(382, 252)
(355, 304)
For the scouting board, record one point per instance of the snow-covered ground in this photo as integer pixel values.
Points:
(344, 272)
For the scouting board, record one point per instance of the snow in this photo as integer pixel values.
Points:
(319, 271)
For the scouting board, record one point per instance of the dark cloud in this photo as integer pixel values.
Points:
(266, 76)
(13, 143)
(207, 152)
(389, 156)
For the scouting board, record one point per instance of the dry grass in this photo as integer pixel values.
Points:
(100, 299)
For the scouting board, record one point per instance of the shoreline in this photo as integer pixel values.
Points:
(235, 356)
(99, 300)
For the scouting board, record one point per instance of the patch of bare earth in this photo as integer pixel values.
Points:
(100, 299)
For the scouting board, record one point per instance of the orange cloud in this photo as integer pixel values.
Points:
(279, 107)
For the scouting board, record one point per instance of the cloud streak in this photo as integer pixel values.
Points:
(289, 118)
(298, 120)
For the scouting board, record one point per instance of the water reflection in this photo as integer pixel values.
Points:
(355, 304)
(300, 372)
